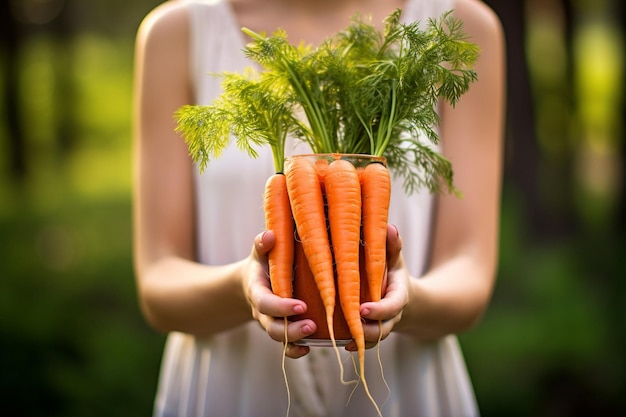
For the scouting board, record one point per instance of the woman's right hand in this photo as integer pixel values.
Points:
(269, 309)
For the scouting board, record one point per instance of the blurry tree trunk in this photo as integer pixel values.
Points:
(622, 197)
(522, 153)
(63, 31)
(544, 183)
(11, 43)
(558, 166)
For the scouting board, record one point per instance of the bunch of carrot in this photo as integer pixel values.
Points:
(354, 202)
(335, 208)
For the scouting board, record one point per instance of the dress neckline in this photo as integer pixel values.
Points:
(233, 22)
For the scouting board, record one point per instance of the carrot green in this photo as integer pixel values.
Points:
(361, 91)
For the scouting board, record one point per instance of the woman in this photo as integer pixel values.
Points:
(200, 249)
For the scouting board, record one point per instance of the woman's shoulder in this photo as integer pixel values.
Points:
(478, 18)
(163, 34)
(173, 17)
(161, 44)
(170, 16)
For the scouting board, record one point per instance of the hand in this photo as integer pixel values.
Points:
(381, 317)
(269, 309)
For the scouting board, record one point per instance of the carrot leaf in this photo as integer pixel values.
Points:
(361, 91)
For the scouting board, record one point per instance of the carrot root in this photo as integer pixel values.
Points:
(307, 205)
(343, 193)
(278, 219)
(376, 195)
(285, 371)
(357, 206)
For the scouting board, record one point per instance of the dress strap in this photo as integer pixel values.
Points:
(215, 37)
(421, 10)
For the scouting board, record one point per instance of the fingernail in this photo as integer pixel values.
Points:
(259, 242)
(298, 309)
(396, 230)
(365, 312)
(306, 329)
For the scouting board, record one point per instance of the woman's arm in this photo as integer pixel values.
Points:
(455, 290)
(176, 293)
(453, 294)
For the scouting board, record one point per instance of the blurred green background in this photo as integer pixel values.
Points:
(72, 340)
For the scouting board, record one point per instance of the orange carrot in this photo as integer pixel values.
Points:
(376, 193)
(307, 205)
(375, 196)
(279, 220)
(321, 165)
(343, 194)
(304, 288)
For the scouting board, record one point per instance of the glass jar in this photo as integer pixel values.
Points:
(304, 284)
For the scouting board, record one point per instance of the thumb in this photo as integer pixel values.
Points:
(264, 242)
(394, 245)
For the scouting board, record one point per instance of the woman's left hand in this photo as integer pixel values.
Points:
(381, 317)
(269, 309)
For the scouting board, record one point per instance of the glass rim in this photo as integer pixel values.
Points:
(337, 156)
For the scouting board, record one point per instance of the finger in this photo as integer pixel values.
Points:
(375, 331)
(264, 242)
(394, 244)
(385, 309)
(351, 347)
(272, 305)
(296, 330)
(296, 351)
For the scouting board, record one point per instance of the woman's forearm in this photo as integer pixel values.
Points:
(453, 294)
(180, 295)
(449, 299)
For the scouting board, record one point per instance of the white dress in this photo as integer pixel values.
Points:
(238, 373)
